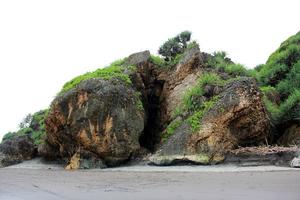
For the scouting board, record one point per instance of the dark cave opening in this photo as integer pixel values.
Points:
(152, 103)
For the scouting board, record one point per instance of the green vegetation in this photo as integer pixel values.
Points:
(32, 125)
(195, 119)
(193, 96)
(281, 75)
(139, 103)
(220, 61)
(119, 62)
(106, 73)
(194, 104)
(158, 61)
(235, 69)
(171, 129)
(174, 46)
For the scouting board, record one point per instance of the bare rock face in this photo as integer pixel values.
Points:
(101, 118)
(238, 118)
(15, 150)
(138, 58)
(177, 82)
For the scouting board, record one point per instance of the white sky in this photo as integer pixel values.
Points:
(43, 44)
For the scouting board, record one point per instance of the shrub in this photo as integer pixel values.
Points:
(236, 69)
(35, 129)
(218, 60)
(290, 102)
(291, 82)
(183, 38)
(192, 96)
(192, 44)
(281, 61)
(8, 135)
(175, 46)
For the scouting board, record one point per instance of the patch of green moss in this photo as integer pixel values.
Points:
(106, 73)
(171, 129)
(195, 119)
(158, 61)
(139, 103)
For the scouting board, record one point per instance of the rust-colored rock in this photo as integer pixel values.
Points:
(99, 116)
(237, 119)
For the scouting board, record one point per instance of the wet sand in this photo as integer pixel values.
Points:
(143, 182)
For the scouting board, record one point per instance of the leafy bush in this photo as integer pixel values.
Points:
(290, 102)
(281, 61)
(278, 112)
(189, 99)
(291, 82)
(219, 59)
(281, 74)
(106, 73)
(192, 44)
(35, 129)
(175, 45)
(235, 69)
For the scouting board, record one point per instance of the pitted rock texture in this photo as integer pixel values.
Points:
(99, 116)
(17, 149)
(237, 119)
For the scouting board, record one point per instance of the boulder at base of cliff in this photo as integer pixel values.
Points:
(16, 149)
(102, 118)
(237, 118)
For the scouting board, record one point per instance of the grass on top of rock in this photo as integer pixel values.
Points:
(106, 73)
(115, 70)
(158, 61)
(222, 62)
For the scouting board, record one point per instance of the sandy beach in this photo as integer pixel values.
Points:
(38, 181)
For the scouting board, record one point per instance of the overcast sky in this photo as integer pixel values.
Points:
(43, 44)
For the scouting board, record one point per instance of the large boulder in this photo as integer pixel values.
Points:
(102, 117)
(16, 149)
(238, 118)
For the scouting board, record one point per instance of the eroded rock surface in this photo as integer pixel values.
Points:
(102, 117)
(15, 150)
(237, 119)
